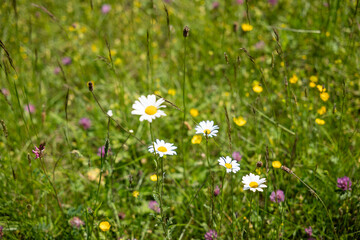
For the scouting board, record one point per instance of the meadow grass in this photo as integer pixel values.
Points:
(279, 78)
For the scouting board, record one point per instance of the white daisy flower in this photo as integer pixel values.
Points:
(148, 108)
(207, 128)
(162, 148)
(230, 164)
(109, 113)
(253, 182)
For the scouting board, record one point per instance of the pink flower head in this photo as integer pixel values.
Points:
(5, 92)
(57, 70)
(29, 108)
(66, 61)
(237, 156)
(344, 183)
(239, 1)
(216, 191)
(211, 235)
(215, 5)
(121, 215)
(85, 123)
(101, 151)
(39, 151)
(309, 231)
(273, 2)
(153, 205)
(105, 8)
(277, 196)
(76, 222)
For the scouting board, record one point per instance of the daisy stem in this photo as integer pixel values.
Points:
(184, 111)
(158, 189)
(212, 181)
(222, 201)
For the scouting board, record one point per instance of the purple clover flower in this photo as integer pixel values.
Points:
(105, 9)
(309, 231)
(66, 61)
(76, 222)
(344, 183)
(216, 191)
(85, 123)
(153, 205)
(277, 196)
(29, 108)
(101, 151)
(211, 235)
(237, 156)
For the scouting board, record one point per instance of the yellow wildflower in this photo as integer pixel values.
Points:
(276, 164)
(194, 112)
(104, 226)
(324, 96)
(196, 139)
(246, 27)
(321, 88)
(118, 61)
(327, 34)
(282, 64)
(312, 84)
(172, 92)
(257, 89)
(320, 121)
(293, 79)
(153, 177)
(314, 78)
(157, 92)
(135, 194)
(240, 121)
(322, 110)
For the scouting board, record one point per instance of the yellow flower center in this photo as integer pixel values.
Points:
(253, 184)
(150, 110)
(207, 131)
(228, 165)
(162, 149)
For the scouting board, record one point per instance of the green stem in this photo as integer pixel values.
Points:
(158, 189)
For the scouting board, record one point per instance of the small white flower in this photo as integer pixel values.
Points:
(207, 128)
(148, 108)
(230, 164)
(131, 131)
(109, 113)
(253, 182)
(162, 148)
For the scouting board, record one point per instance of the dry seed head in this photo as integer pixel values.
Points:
(186, 31)
(259, 164)
(286, 169)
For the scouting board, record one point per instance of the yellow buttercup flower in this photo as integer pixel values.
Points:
(314, 78)
(104, 226)
(293, 79)
(153, 177)
(246, 27)
(312, 84)
(321, 88)
(257, 89)
(240, 121)
(196, 139)
(157, 92)
(320, 121)
(172, 92)
(322, 110)
(194, 112)
(135, 194)
(276, 164)
(324, 96)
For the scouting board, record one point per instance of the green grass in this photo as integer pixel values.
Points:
(138, 48)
